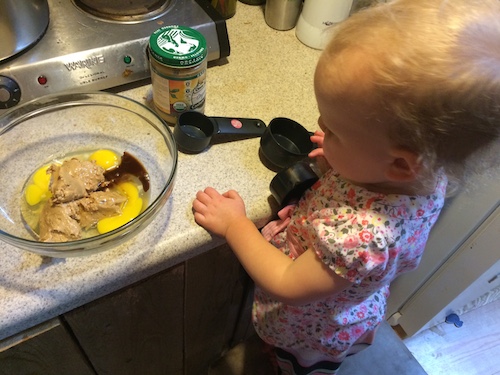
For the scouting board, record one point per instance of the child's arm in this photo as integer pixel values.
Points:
(297, 282)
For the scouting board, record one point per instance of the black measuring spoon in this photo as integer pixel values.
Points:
(194, 131)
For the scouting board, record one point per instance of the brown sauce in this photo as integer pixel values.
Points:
(129, 166)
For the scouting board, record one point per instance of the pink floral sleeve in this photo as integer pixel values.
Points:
(352, 245)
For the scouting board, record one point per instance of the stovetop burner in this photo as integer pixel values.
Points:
(130, 11)
(83, 51)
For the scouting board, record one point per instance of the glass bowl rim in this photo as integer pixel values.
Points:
(69, 99)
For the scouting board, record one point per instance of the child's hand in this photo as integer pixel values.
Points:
(318, 153)
(217, 212)
(317, 138)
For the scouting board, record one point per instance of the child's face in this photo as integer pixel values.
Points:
(356, 142)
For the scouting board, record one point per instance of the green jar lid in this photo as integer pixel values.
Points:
(178, 46)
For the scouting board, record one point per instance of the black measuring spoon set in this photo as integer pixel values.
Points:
(284, 146)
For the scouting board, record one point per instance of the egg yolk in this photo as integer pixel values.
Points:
(39, 189)
(130, 209)
(41, 178)
(106, 159)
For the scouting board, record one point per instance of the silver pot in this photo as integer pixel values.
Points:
(22, 23)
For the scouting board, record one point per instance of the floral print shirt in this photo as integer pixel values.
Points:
(369, 239)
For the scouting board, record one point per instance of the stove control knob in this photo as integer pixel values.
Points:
(10, 92)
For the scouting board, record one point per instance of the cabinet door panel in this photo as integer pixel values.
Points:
(138, 330)
(216, 286)
(50, 353)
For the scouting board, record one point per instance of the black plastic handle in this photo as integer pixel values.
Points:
(242, 126)
(194, 131)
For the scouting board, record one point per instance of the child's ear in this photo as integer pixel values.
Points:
(405, 166)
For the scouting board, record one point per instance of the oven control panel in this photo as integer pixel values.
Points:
(92, 70)
(10, 93)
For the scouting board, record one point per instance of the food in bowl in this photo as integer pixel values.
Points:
(83, 195)
(59, 126)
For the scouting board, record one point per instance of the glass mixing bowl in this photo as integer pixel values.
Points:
(55, 126)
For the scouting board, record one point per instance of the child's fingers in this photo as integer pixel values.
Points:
(207, 195)
(198, 206)
(211, 192)
(319, 133)
(233, 194)
(316, 152)
(199, 218)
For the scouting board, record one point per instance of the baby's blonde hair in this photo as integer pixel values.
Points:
(434, 66)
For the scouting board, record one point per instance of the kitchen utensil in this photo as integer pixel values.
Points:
(194, 131)
(23, 24)
(282, 14)
(314, 26)
(52, 127)
(290, 184)
(285, 142)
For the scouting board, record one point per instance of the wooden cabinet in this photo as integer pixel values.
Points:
(48, 349)
(218, 308)
(177, 322)
(137, 330)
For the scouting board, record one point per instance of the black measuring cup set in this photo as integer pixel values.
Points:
(284, 147)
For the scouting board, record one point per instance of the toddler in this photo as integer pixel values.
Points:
(409, 95)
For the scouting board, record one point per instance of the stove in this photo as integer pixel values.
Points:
(87, 50)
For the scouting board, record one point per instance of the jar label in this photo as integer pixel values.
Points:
(174, 95)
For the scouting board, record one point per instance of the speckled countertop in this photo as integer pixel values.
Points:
(268, 74)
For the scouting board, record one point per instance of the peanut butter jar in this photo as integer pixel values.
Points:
(178, 61)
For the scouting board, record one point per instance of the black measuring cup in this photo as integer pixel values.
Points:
(290, 184)
(194, 131)
(284, 143)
